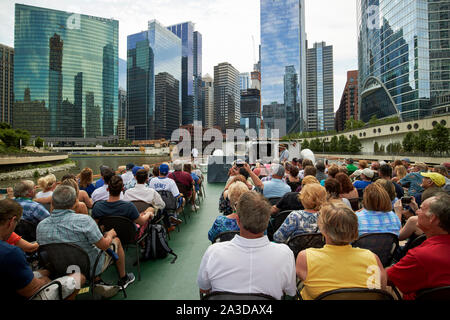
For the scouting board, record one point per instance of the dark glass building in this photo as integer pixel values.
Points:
(6, 83)
(150, 53)
(283, 54)
(67, 64)
(404, 57)
(167, 105)
(250, 109)
(191, 71)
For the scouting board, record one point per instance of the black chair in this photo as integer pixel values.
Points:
(59, 258)
(304, 241)
(355, 294)
(27, 230)
(355, 203)
(382, 244)
(126, 232)
(60, 296)
(141, 206)
(416, 242)
(236, 296)
(225, 236)
(275, 222)
(274, 201)
(442, 293)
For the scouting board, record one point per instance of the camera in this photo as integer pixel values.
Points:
(406, 201)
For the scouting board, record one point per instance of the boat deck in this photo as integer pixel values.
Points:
(161, 280)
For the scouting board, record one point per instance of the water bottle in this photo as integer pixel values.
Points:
(112, 254)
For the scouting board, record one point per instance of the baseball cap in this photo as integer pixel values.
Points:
(437, 178)
(136, 169)
(407, 160)
(130, 166)
(164, 169)
(368, 173)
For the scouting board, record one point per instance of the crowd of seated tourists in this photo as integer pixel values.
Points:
(394, 204)
(69, 211)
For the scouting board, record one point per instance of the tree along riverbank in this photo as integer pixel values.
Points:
(35, 171)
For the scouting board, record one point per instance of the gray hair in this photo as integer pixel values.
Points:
(254, 212)
(177, 165)
(440, 207)
(64, 197)
(277, 170)
(22, 188)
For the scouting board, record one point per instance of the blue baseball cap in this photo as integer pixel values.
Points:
(130, 166)
(164, 169)
(136, 169)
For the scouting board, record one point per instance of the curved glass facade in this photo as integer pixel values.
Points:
(405, 45)
(283, 50)
(66, 73)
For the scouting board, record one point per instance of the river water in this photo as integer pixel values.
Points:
(94, 162)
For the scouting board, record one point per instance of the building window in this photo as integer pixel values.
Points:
(397, 128)
(409, 127)
(434, 123)
(416, 126)
(443, 122)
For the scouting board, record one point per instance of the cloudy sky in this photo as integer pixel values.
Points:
(228, 27)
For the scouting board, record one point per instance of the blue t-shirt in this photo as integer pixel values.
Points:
(117, 208)
(15, 271)
(360, 184)
(99, 183)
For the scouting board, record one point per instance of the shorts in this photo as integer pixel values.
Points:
(69, 285)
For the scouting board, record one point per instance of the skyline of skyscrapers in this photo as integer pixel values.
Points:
(67, 65)
(320, 88)
(150, 53)
(283, 44)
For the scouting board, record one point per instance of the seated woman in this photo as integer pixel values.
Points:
(86, 179)
(79, 207)
(333, 188)
(312, 196)
(390, 189)
(338, 265)
(377, 215)
(47, 184)
(292, 179)
(307, 180)
(228, 223)
(348, 191)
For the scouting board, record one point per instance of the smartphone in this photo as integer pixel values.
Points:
(406, 201)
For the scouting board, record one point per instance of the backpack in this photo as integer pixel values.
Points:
(156, 246)
(169, 200)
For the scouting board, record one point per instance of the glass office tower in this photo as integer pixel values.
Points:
(150, 54)
(404, 57)
(191, 71)
(283, 51)
(66, 73)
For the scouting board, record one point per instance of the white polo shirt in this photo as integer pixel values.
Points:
(102, 193)
(248, 266)
(141, 192)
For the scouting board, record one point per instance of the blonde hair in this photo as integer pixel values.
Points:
(309, 180)
(45, 183)
(313, 196)
(363, 164)
(235, 191)
(338, 222)
(400, 171)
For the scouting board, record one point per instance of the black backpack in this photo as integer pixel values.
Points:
(169, 200)
(156, 246)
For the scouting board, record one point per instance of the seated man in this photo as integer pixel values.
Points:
(249, 263)
(18, 280)
(141, 192)
(276, 187)
(432, 183)
(184, 181)
(427, 265)
(116, 207)
(132, 182)
(24, 193)
(164, 183)
(290, 201)
(413, 180)
(102, 192)
(366, 179)
(65, 226)
(128, 175)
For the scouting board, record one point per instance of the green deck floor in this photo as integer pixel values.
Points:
(161, 280)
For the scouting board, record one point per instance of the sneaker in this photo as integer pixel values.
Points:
(105, 290)
(175, 221)
(125, 281)
(195, 207)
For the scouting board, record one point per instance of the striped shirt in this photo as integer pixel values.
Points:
(32, 211)
(378, 222)
(66, 226)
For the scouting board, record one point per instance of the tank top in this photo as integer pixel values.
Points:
(335, 267)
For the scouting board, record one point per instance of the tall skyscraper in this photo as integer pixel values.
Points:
(227, 97)
(6, 83)
(403, 58)
(167, 105)
(191, 71)
(283, 44)
(123, 110)
(150, 53)
(250, 109)
(320, 88)
(208, 101)
(69, 62)
(348, 108)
